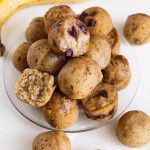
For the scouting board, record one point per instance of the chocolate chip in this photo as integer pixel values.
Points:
(103, 93)
(69, 52)
(101, 116)
(54, 43)
(83, 16)
(19, 59)
(93, 13)
(91, 23)
(73, 32)
(111, 112)
(2, 49)
(83, 28)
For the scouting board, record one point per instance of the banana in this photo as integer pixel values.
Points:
(9, 7)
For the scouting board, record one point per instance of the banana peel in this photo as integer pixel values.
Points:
(9, 7)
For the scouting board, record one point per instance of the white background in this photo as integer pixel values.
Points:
(16, 133)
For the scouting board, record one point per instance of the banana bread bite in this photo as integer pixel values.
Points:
(79, 77)
(55, 14)
(34, 87)
(36, 30)
(113, 39)
(41, 57)
(117, 73)
(137, 29)
(133, 129)
(100, 51)
(97, 20)
(52, 140)
(102, 104)
(19, 57)
(69, 37)
(61, 111)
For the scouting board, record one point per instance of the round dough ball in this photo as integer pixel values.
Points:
(117, 73)
(97, 20)
(36, 30)
(69, 37)
(137, 29)
(100, 51)
(55, 14)
(79, 77)
(19, 57)
(41, 57)
(133, 128)
(52, 140)
(61, 112)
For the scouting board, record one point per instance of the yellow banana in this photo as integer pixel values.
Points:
(9, 7)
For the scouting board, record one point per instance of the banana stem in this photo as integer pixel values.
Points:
(2, 47)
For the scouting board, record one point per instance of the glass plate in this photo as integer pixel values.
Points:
(126, 96)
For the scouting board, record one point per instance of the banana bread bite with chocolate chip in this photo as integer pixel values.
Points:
(52, 140)
(100, 51)
(19, 57)
(34, 87)
(117, 73)
(102, 104)
(61, 112)
(137, 29)
(36, 30)
(41, 57)
(133, 128)
(97, 20)
(79, 77)
(57, 13)
(69, 37)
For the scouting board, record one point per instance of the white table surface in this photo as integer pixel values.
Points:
(16, 133)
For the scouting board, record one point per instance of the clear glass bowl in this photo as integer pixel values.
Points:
(126, 96)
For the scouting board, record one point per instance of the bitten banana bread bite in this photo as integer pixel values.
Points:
(69, 37)
(79, 77)
(61, 112)
(36, 30)
(102, 104)
(117, 73)
(34, 87)
(19, 57)
(97, 20)
(137, 29)
(52, 140)
(41, 57)
(56, 14)
(133, 129)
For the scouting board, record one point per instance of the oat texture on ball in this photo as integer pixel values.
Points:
(34, 87)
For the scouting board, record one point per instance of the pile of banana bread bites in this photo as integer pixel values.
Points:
(70, 58)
